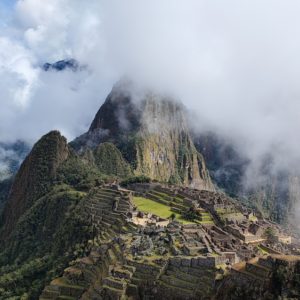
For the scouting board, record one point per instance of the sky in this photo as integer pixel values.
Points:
(234, 64)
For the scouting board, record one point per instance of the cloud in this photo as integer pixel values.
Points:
(234, 64)
(11, 156)
(34, 102)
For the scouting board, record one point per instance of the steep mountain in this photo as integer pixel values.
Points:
(43, 227)
(226, 165)
(152, 134)
(276, 195)
(5, 187)
(34, 177)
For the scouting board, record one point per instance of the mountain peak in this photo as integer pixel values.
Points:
(152, 134)
(34, 177)
(66, 64)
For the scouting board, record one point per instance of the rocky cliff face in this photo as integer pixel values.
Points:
(152, 134)
(226, 165)
(278, 198)
(34, 177)
(165, 150)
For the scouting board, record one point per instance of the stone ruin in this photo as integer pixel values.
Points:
(163, 259)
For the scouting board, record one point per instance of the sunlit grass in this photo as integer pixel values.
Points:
(156, 208)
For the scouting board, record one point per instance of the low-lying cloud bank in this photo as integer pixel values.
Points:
(234, 64)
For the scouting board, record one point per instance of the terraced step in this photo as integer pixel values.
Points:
(124, 206)
(129, 268)
(102, 204)
(50, 292)
(143, 276)
(145, 268)
(120, 272)
(176, 282)
(157, 199)
(67, 289)
(131, 226)
(106, 224)
(82, 274)
(180, 292)
(182, 275)
(162, 195)
(257, 269)
(167, 192)
(99, 210)
(111, 293)
(112, 220)
(194, 271)
(137, 281)
(101, 201)
(122, 211)
(110, 192)
(118, 284)
(111, 256)
(176, 210)
(240, 269)
(178, 206)
(102, 197)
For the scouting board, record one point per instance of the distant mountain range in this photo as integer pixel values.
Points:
(11, 157)
(66, 64)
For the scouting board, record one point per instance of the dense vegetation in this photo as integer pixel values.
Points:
(53, 230)
(110, 161)
(135, 179)
(34, 178)
(46, 238)
(5, 187)
(80, 175)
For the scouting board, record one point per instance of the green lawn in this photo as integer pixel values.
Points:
(263, 251)
(161, 210)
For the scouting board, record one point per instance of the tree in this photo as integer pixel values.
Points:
(270, 234)
(172, 216)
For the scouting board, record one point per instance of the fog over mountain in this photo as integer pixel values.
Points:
(233, 64)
